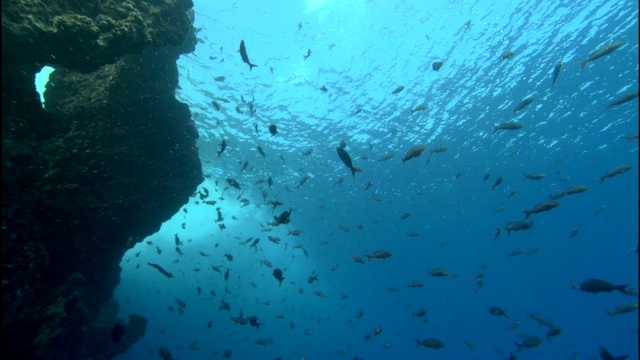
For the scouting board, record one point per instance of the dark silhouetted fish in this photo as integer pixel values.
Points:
(507, 126)
(606, 355)
(541, 207)
(524, 103)
(245, 57)
(414, 152)
(161, 269)
(346, 159)
(623, 98)
(507, 55)
(595, 286)
(273, 129)
(277, 273)
(556, 73)
(437, 65)
(615, 171)
(606, 50)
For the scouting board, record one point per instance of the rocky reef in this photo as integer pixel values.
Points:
(110, 157)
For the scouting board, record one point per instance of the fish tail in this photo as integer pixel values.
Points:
(518, 345)
(583, 63)
(622, 289)
(368, 257)
(251, 66)
(574, 286)
(527, 213)
(611, 313)
(602, 179)
(495, 129)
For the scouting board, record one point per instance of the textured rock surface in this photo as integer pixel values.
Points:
(111, 158)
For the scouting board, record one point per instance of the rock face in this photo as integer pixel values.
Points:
(111, 157)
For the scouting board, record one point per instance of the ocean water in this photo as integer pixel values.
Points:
(360, 52)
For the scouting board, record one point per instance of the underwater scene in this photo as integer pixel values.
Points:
(401, 180)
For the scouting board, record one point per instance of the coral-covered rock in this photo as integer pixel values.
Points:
(111, 157)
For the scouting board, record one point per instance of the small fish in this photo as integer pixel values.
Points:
(529, 343)
(514, 325)
(379, 254)
(405, 216)
(161, 270)
(623, 99)
(437, 65)
(386, 157)
(397, 90)
(515, 252)
(595, 286)
(223, 146)
(524, 103)
(497, 233)
(574, 233)
(219, 78)
(313, 277)
(440, 272)
(606, 50)
(606, 355)
(324, 88)
(507, 55)
(357, 259)
(233, 183)
(623, 309)
(430, 343)
(519, 226)
(277, 273)
(496, 183)
(469, 344)
(541, 207)
(245, 57)
(497, 311)
(308, 54)
(553, 331)
(507, 126)
(556, 73)
(414, 152)
(534, 176)
(346, 159)
(261, 151)
(420, 107)
(273, 129)
(303, 181)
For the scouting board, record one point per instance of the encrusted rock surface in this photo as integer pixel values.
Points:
(111, 158)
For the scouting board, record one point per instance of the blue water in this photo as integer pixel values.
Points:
(361, 51)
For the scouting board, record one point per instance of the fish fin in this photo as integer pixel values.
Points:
(582, 63)
(251, 66)
(611, 313)
(574, 286)
(527, 213)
